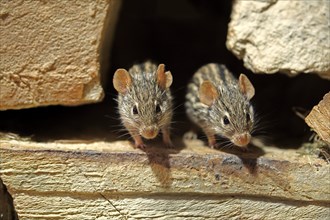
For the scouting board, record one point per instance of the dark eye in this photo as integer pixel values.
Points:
(135, 111)
(158, 108)
(226, 120)
(248, 118)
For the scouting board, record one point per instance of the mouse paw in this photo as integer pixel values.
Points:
(141, 146)
(190, 135)
(138, 142)
(214, 146)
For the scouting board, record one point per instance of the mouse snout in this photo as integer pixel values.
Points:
(149, 132)
(241, 140)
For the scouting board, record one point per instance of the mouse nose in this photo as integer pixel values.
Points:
(241, 140)
(149, 132)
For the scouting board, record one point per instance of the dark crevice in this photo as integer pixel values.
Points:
(184, 35)
(7, 209)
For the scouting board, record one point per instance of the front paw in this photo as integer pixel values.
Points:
(140, 145)
(213, 144)
(190, 135)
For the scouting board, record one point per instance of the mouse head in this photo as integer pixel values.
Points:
(230, 111)
(122, 80)
(144, 101)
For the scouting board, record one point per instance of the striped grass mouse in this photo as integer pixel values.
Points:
(145, 101)
(220, 104)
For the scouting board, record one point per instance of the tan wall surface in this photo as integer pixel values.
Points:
(50, 51)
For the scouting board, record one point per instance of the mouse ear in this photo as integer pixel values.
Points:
(245, 86)
(164, 79)
(208, 93)
(121, 80)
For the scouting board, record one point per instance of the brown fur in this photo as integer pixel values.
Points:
(145, 103)
(220, 104)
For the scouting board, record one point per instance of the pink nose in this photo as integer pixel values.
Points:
(149, 132)
(242, 140)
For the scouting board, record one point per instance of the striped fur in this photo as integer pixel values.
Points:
(145, 94)
(231, 103)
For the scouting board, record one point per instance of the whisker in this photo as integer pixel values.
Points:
(116, 126)
(178, 106)
(227, 145)
(124, 135)
(111, 117)
(120, 130)
(179, 89)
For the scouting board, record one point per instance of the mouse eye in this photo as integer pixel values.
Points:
(226, 120)
(158, 108)
(134, 110)
(248, 117)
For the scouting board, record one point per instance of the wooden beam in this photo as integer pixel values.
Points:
(100, 179)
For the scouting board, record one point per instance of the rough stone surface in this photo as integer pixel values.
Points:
(50, 51)
(113, 180)
(286, 36)
(319, 118)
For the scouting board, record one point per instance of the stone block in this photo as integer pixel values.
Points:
(50, 51)
(281, 36)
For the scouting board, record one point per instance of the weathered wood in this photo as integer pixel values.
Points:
(98, 180)
(163, 207)
(319, 118)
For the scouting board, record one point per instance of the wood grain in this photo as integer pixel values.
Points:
(101, 180)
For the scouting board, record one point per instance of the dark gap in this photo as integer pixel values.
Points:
(7, 209)
(184, 35)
